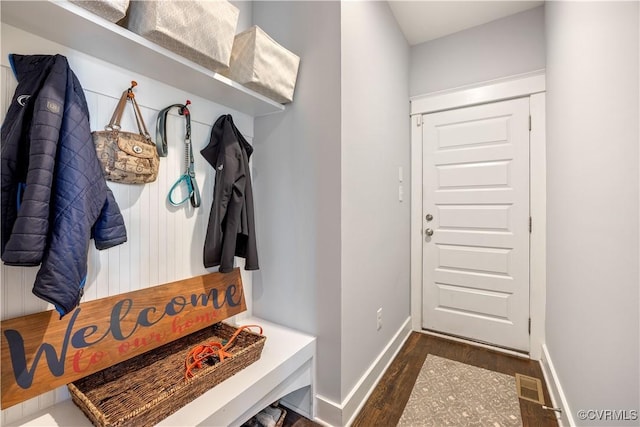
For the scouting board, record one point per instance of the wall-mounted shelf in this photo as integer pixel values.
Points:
(70, 25)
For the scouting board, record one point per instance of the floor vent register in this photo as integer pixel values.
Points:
(529, 388)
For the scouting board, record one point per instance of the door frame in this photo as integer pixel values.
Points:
(532, 85)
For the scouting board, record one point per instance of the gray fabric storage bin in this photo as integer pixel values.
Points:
(202, 31)
(260, 63)
(111, 10)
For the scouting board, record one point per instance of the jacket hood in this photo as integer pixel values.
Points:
(224, 132)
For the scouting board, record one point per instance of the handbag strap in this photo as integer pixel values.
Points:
(140, 120)
(114, 124)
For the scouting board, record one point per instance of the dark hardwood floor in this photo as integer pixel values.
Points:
(386, 404)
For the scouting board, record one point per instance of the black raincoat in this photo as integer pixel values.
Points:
(231, 229)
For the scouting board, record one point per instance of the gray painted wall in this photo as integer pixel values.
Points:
(332, 235)
(375, 224)
(505, 47)
(245, 19)
(593, 191)
(297, 176)
(318, 192)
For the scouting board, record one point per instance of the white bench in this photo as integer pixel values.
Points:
(286, 365)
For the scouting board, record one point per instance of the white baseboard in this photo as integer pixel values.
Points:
(335, 414)
(558, 398)
(328, 412)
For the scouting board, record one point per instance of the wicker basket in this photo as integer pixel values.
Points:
(148, 388)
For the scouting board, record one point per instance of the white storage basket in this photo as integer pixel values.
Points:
(111, 10)
(202, 31)
(260, 63)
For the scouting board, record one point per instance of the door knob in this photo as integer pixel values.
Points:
(429, 217)
(428, 232)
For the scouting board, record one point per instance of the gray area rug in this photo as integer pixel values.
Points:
(450, 393)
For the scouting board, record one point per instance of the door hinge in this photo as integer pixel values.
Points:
(419, 120)
(530, 224)
(529, 325)
(529, 123)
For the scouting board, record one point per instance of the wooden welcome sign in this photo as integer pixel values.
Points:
(41, 352)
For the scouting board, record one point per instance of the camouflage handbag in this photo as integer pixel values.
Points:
(127, 157)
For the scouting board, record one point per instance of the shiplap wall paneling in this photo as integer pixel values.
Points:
(164, 242)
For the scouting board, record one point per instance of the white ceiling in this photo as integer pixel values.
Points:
(426, 20)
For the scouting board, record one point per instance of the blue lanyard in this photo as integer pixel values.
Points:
(189, 175)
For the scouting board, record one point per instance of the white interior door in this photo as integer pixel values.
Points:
(476, 223)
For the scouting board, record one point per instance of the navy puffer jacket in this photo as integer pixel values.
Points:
(54, 195)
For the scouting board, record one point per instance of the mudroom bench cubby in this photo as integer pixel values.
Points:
(70, 25)
(286, 365)
(119, 327)
(104, 54)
